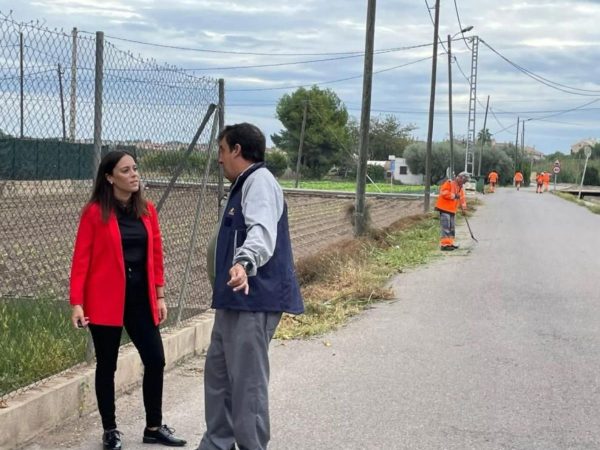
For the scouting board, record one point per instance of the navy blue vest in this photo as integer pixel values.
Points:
(275, 287)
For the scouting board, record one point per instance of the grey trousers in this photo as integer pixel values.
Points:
(236, 381)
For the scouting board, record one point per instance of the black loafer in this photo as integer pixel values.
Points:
(164, 435)
(447, 248)
(111, 440)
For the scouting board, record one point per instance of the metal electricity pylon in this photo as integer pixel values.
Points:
(471, 134)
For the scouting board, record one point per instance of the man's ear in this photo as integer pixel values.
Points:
(237, 150)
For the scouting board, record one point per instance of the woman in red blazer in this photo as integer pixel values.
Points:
(117, 281)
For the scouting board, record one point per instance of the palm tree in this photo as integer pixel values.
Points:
(484, 136)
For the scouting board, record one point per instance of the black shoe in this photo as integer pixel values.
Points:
(164, 435)
(454, 246)
(447, 248)
(112, 440)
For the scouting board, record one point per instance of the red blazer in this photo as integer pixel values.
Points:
(98, 268)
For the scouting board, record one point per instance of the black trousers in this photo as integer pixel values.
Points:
(146, 337)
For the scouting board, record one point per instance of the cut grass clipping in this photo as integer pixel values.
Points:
(347, 277)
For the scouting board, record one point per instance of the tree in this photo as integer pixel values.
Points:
(387, 136)
(440, 158)
(326, 138)
(277, 162)
(484, 136)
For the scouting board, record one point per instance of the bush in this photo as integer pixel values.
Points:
(166, 162)
(277, 163)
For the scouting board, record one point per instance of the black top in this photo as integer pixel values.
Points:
(134, 237)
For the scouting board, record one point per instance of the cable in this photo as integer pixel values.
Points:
(288, 63)
(232, 52)
(460, 25)
(542, 80)
(327, 82)
(559, 113)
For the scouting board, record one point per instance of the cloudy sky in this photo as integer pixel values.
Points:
(558, 42)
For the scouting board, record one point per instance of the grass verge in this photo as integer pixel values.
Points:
(570, 197)
(37, 340)
(346, 278)
(350, 186)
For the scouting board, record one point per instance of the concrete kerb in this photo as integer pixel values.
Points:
(65, 397)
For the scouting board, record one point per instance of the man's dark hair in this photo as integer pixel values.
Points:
(251, 140)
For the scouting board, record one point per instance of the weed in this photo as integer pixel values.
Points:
(349, 276)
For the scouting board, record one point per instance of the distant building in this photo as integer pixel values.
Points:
(401, 171)
(578, 146)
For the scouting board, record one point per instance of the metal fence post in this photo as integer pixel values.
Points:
(221, 184)
(62, 102)
(21, 79)
(199, 204)
(98, 101)
(186, 155)
(73, 99)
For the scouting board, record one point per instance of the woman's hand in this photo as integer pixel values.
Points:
(78, 318)
(162, 310)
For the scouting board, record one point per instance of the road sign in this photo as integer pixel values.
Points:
(557, 163)
(587, 151)
(556, 169)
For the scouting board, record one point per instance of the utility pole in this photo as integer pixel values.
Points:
(483, 136)
(471, 133)
(299, 161)
(360, 223)
(450, 106)
(523, 137)
(431, 109)
(517, 144)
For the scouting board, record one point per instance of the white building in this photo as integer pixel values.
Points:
(400, 172)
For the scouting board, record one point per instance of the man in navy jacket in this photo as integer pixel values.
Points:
(251, 266)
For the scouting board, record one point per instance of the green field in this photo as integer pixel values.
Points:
(37, 340)
(350, 186)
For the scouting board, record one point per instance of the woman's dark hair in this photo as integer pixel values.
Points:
(251, 140)
(103, 193)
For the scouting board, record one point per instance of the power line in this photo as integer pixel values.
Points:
(236, 52)
(255, 66)
(545, 81)
(328, 82)
(556, 113)
(460, 25)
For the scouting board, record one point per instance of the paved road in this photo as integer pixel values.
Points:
(496, 346)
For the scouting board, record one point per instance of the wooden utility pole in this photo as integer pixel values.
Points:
(301, 144)
(517, 144)
(451, 131)
(431, 109)
(483, 136)
(360, 222)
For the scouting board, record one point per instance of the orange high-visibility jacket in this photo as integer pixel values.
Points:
(518, 176)
(450, 197)
(539, 178)
(546, 177)
(493, 177)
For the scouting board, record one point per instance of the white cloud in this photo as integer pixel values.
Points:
(555, 39)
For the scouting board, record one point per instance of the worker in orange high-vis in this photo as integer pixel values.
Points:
(518, 179)
(539, 180)
(493, 179)
(546, 181)
(452, 195)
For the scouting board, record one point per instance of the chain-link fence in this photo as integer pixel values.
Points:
(67, 99)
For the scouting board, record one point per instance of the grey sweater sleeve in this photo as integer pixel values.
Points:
(262, 206)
